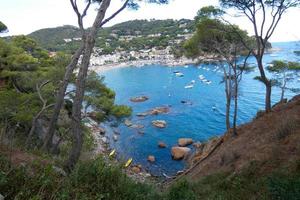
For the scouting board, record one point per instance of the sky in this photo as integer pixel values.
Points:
(26, 16)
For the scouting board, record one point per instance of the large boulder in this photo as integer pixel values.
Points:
(136, 169)
(159, 123)
(183, 142)
(179, 153)
(139, 99)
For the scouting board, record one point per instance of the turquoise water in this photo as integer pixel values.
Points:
(198, 121)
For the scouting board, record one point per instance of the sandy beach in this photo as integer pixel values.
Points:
(142, 63)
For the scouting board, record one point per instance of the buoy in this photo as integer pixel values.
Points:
(112, 153)
(128, 162)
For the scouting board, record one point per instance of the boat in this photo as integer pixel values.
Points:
(193, 81)
(129, 161)
(176, 72)
(189, 86)
(186, 66)
(208, 82)
(179, 74)
(201, 77)
(112, 153)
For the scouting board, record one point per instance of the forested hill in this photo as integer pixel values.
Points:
(130, 35)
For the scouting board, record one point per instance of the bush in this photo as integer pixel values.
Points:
(284, 187)
(181, 191)
(90, 180)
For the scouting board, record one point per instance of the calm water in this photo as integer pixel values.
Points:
(198, 121)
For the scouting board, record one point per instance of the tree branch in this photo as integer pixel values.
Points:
(114, 14)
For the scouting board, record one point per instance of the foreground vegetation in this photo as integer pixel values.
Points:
(95, 180)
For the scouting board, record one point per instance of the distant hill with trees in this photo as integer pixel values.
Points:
(130, 35)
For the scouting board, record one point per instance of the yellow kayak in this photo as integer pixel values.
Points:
(112, 153)
(128, 162)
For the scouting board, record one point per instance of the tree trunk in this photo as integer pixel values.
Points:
(283, 87)
(267, 83)
(228, 100)
(228, 96)
(60, 98)
(235, 102)
(80, 87)
(268, 106)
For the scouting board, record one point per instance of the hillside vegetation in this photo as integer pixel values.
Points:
(262, 162)
(130, 35)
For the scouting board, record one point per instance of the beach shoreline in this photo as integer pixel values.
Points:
(142, 63)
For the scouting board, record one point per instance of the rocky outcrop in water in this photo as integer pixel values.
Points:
(162, 145)
(155, 111)
(159, 123)
(139, 99)
(183, 142)
(151, 158)
(179, 153)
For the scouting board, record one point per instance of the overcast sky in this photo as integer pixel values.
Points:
(26, 16)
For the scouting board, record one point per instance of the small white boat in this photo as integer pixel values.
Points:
(189, 86)
(201, 77)
(193, 81)
(179, 74)
(208, 82)
(186, 66)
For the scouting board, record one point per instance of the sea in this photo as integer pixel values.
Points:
(202, 118)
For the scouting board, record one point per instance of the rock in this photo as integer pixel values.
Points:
(105, 140)
(115, 137)
(210, 145)
(1, 197)
(139, 99)
(57, 170)
(159, 110)
(101, 130)
(92, 115)
(151, 158)
(116, 131)
(136, 169)
(183, 142)
(128, 123)
(137, 126)
(179, 153)
(144, 114)
(162, 145)
(139, 166)
(159, 123)
(198, 145)
(179, 172)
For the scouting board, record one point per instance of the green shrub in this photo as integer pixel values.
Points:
(181, 191)
(284, 187)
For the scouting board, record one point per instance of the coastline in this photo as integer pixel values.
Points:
(142, 63)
